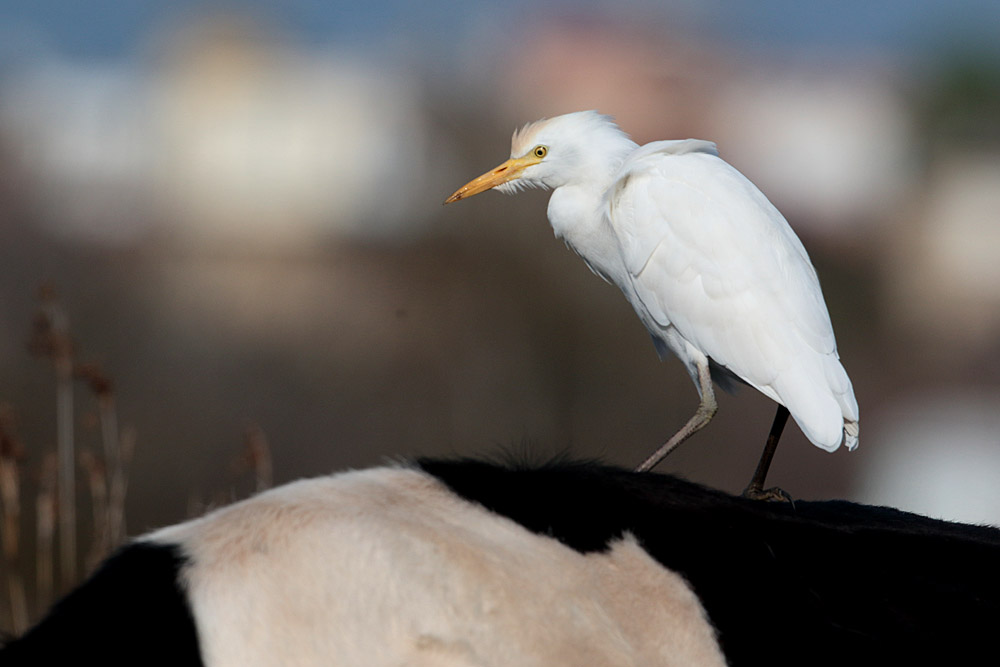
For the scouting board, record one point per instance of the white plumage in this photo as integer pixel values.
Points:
(708, 263)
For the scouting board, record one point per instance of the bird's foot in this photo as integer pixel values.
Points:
(774, 494)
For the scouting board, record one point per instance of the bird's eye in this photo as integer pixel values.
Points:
(540, 151)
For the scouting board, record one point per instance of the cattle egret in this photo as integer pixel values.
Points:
(710, 266)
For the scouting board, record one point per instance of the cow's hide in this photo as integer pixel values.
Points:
(446, 562)
(385, 566)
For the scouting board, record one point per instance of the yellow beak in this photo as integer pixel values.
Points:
(508, 171)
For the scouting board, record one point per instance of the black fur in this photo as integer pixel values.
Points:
(132, 611)
(827, 582)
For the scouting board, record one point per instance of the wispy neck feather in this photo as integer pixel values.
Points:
(519, 185)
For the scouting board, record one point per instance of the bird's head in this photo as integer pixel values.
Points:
(552, 152)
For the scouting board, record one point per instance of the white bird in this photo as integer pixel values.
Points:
(710, 266)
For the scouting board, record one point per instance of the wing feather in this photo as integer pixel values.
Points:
(708, 255)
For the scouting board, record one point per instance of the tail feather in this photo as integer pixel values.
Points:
(851, 430)
(825, 411)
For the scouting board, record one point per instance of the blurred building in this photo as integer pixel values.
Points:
(943, 258)
(830, 143)
(225, 136)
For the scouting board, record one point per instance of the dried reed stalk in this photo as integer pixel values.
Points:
(97, 483)
(119, 487)
(45, 523)
(50, 339)
(10, 498)
(258, 457)
(114, 463)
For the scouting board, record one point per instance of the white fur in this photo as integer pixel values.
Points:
(388, 567)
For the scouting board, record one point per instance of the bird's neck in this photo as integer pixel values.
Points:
(576, 215)
(576, 208)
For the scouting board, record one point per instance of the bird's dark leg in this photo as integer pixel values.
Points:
(756, 488)
(706, 410)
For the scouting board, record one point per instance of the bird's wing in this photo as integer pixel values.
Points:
(708, 254)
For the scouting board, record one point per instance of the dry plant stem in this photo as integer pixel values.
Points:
(119, 488)
(10, 491)
(98, 484)
(259, 455)
(113, 459)
(10, 528)
(51, 339)
(45, 513)
(67, 473)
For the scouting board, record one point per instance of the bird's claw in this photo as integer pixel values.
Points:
(774, 494)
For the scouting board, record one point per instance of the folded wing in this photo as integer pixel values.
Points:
(711, 257)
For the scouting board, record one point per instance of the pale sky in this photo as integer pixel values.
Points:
(114, 29)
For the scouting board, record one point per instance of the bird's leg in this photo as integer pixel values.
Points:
(756, 488)
(706, 410)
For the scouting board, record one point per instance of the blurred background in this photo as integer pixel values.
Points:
(239, 208)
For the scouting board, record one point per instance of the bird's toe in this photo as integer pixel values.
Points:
(774, 494)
